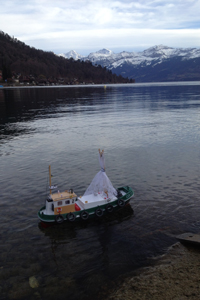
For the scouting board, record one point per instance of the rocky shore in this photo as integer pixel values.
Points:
(175, 276)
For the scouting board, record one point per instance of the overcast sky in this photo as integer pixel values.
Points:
(90, 25)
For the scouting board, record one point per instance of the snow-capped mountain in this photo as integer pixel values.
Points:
(157, 63)
(71, 54)
(101, 55)
(156, 53)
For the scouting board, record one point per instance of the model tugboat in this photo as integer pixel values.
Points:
(99, 198)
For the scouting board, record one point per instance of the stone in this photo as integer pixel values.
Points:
(33, 282)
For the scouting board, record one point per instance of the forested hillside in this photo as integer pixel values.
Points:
(19, 61)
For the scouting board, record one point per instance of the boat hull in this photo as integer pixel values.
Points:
(94, 212)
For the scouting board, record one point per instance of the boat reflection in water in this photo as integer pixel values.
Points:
(81, 257)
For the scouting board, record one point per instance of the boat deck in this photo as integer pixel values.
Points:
(90, 200)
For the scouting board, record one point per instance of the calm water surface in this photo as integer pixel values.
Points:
(151, 137)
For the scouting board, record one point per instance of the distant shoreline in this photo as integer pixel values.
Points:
(166, 83)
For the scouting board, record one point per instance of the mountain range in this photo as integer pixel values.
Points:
(158, 63)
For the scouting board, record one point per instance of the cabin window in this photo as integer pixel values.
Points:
(59, 203)
(52, 207)
(67, 202)
(73, 200)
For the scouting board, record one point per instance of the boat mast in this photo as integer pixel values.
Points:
(50, 178)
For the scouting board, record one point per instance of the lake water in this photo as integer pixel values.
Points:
(151, 137)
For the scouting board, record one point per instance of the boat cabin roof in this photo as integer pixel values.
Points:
(62, 195)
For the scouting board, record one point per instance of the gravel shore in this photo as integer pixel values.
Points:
(175, 276)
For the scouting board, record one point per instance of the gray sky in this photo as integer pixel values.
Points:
(87, 26)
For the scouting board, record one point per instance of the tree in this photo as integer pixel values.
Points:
(6, 72)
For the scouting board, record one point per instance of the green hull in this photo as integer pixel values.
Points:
(89, 213)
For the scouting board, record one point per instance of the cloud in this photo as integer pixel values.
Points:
(122, 23)
(87, 41)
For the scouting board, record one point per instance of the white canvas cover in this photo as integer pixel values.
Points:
(101, 184)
